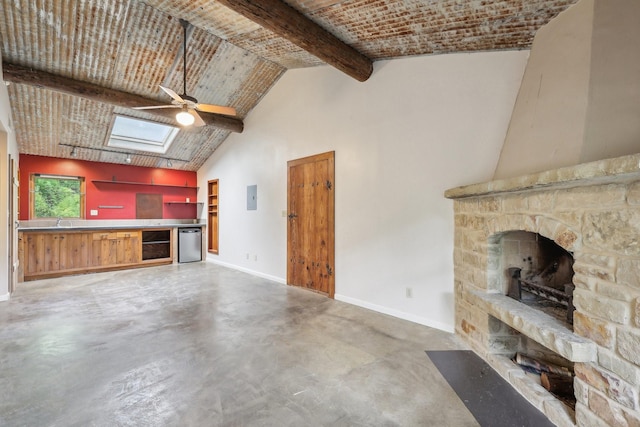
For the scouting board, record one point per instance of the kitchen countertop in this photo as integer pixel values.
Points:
(107, 226)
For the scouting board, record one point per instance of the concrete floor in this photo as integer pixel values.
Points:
(201, 345)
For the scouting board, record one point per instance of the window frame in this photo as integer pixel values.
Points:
(133, 142)
(32, 194)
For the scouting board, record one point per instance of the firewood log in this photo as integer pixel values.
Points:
(540, 366)
(557, 384)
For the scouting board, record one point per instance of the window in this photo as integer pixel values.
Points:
(141, 135)
(56, 196)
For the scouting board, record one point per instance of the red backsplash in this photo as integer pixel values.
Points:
(109, 194)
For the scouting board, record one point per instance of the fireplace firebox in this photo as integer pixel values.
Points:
(542, 274)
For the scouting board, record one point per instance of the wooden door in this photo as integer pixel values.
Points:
(310, 231)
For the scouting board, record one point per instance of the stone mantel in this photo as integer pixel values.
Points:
(616, 170)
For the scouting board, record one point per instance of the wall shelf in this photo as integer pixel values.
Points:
(184, 203)
(150, 184)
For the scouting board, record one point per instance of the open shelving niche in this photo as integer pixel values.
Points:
(156, 244)
(212, 216)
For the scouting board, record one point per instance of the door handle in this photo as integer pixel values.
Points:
(291, 216)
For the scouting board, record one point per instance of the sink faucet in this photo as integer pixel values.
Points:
(59, 222)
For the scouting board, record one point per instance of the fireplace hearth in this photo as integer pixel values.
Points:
(577, 304)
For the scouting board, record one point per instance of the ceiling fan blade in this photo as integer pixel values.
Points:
(172, 94)
(153, 107)
(199, 122)
(217, 109)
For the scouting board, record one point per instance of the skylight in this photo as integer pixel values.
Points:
(142, 135)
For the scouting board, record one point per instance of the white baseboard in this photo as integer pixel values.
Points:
(5, 297)
(380, 309)
(396, 313)
(249, 271)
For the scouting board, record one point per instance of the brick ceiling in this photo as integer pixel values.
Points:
(134, 46)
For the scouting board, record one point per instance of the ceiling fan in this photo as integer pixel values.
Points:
(189, 105)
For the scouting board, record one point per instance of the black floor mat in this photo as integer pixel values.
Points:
(491, 400)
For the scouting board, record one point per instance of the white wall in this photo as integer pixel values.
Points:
(417, 127)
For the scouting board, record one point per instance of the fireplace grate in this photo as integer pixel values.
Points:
(563, 298)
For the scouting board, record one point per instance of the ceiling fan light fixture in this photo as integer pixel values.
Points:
(185, 118)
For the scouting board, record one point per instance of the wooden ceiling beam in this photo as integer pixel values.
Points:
(287, 22)
(28, 76)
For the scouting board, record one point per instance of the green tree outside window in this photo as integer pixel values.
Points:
(57, 197)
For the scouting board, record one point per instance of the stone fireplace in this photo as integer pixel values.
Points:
(580, 225)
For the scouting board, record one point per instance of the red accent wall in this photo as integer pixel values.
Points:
(101, 194)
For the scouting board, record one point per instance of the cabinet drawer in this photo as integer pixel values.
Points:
(127, 234)
(105, 236)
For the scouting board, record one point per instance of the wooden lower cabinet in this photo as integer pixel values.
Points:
(103, 249)
(76, 251)
(113, 248)
(51, 254)
(129, 248)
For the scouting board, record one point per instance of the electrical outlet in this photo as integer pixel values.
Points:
(255, 257)
(409, 292)
(247, 255)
